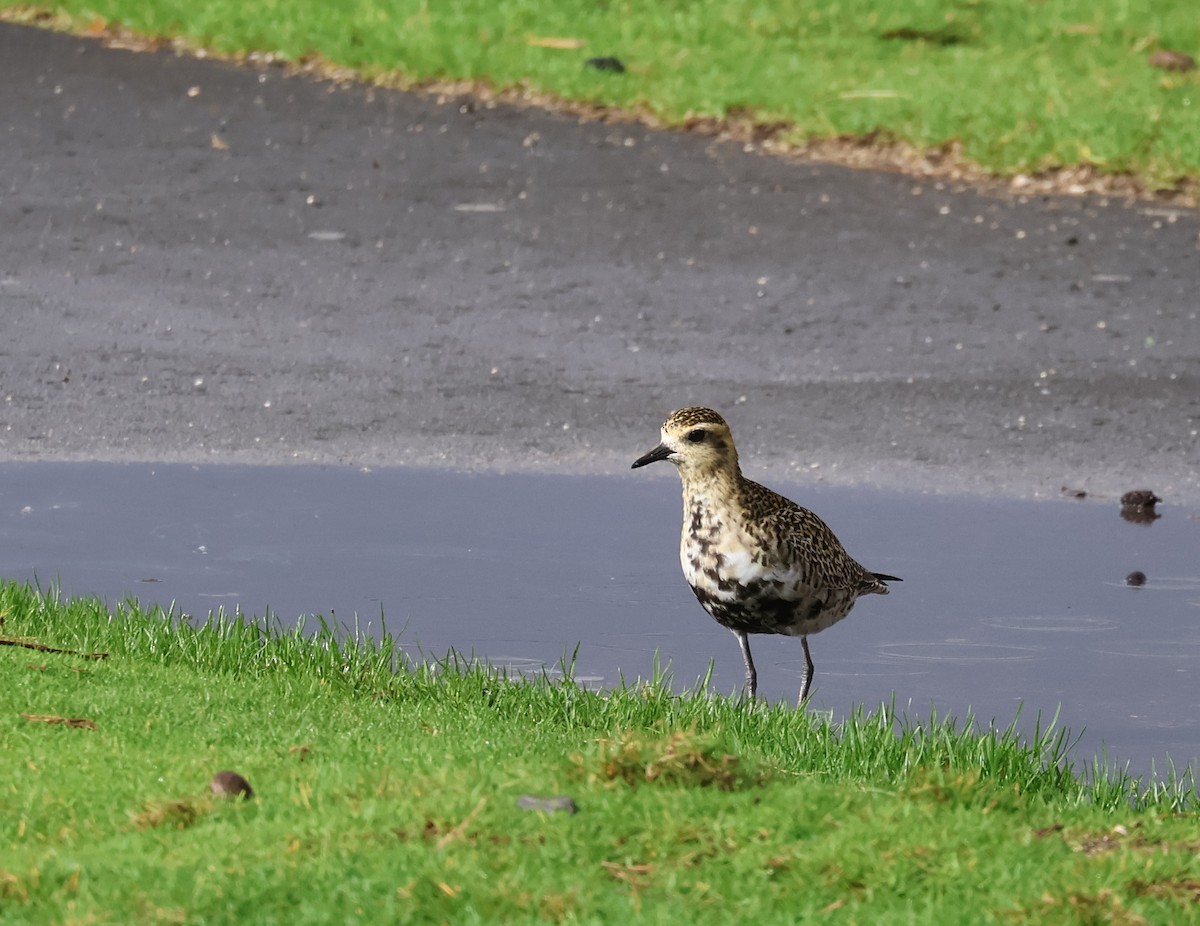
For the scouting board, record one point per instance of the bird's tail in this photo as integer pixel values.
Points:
(880, 586)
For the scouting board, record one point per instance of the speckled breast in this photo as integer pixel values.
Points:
(741, 591)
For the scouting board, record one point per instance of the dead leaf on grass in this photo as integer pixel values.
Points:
(1185, 890)
(80, 723)
(629, 873)
(547, 41)
(179, 814)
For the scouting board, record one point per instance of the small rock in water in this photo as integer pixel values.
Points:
(548, 804)
(231, 784)
(1136, 579)
(1137, 506)
(1139, 498)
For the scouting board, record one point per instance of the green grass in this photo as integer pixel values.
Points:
(387, 792)
(1016, 86)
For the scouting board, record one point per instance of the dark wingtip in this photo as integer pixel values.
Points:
(885, 578)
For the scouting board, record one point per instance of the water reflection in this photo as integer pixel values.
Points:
(1003, 602)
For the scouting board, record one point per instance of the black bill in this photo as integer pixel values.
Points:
(661, 452)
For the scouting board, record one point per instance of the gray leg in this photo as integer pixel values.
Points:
(808, 673)
(751, 689)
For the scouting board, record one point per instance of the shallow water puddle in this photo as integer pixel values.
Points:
(1002, 602)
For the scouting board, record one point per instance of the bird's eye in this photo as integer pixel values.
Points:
(697, 435)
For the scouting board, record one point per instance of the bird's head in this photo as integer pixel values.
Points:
(698, 441)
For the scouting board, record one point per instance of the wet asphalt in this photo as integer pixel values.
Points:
(201, 262)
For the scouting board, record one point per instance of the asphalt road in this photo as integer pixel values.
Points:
(201, 262)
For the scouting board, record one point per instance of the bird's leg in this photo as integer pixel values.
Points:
(751, 689)
(808, 673)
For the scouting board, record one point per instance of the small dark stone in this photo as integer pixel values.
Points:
(606, 63)
(548, 804)
(1136, 515)
(1137, 578)
(1074, 493)
(1140, 498)
(231, 784)
(1167, 59)
(1137, 506)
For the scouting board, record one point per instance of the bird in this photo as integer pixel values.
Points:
(756, 561)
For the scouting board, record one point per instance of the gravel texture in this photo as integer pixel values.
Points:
(204, 263)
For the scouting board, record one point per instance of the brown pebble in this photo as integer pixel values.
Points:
(1140, 498)
(231, 784)
(1167, 59)
(1139, 515)
(1137, 578)
(560, 802)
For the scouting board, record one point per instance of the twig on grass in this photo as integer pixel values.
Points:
(81, 723)
(43, 648)
(458, 830)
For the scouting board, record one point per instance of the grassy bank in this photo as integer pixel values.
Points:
(388, 793)
(1012, 86)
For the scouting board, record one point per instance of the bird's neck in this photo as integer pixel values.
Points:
(711, 486)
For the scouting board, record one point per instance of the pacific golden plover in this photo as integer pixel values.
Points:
(757, 562)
